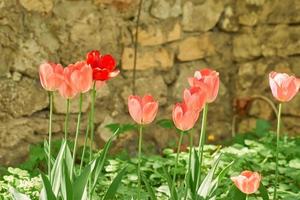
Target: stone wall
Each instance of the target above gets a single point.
(243, 39)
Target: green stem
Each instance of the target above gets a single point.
(91, 124)
(176, 162)
(139, 160)
(201, 142)
(247, 197)
(277, 150)
(76, 135)
(84, 146)
(67, 119)
(50, 133)
(189, 164)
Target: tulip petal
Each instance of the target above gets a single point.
(135, 109)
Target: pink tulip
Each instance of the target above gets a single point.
(247, 182)
(67, 89)
(195, 98)
(142, 109)
(51, 76)
(208, 79)
(184, 118)
(284, 87)
(81, 76)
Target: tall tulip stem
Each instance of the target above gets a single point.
(247, 197)
(67, 119)
(191, 136)
(91, 125)
(277, 150)
(84, 146)
(176, 161)
(50, 133)
(202, 141)
(139, 160)
(77, 133)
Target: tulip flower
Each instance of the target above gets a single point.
(67, 89)
(51, 76)
(247, 182)
(208, 79)
(284, 88)
(81, 76)
(143, 111)
(104, 66)
(184, 118)
(194, 98)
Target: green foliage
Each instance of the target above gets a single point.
(250, 151)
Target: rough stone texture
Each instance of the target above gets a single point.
(243, 40)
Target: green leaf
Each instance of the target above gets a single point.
(149, 188)
(16, 195)
(66, 185)
(56, 171)
(235, 193)
(262, 127)
(295, 163)
(207, 184)
(174, 193)
(81, 183)
(98, 164)
(165, 123)
(110, 193)
(47, 192)
(263, 192)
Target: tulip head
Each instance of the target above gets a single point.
(283, 86)
(51, 76)
(142, 109)
(247, 182)
(183, 117)
(103, 66)
(195, 98)
(207, 79)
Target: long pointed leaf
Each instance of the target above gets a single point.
(81, 183)
(66, 185)
(56, 172)
(111, 192)
(174, 193)
(47, 192)
(149, 188)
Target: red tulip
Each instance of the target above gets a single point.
(81, 76)
(142, 109)
(194, 98)
(67, 89)
(208, 79)
(51, 76)
(284, 87)
(104, 67)
(184, 118)
(247, 182)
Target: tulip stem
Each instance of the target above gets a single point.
(76, 135)
(202, 141)
(277, 150)
(189, 164)
(247, 197)
(50, 133)
(91, 124)
(176, 162)
(139, 160)
(84, 146)
(67, 119)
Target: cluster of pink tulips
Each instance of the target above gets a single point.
(204, 87)
(88, 75)
(78, 78)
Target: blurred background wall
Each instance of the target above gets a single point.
(242, 39)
